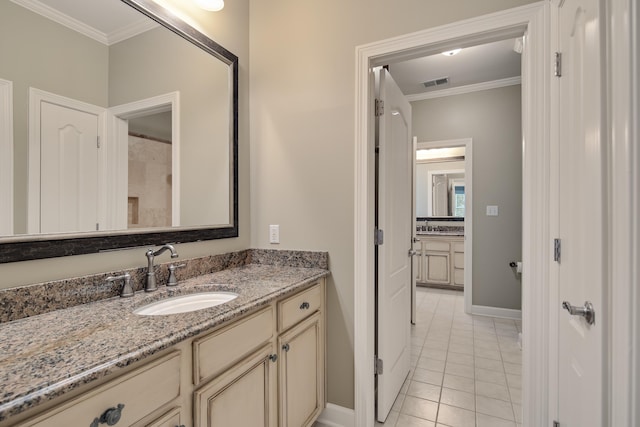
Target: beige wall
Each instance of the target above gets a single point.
(230, 28)
(302, 133)
(492, 118)
(158, 62)
(36, 52)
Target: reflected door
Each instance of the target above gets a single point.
(69, 170)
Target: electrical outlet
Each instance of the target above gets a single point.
(274, 234)
(492, 211)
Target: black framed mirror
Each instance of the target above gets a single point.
(195, 214)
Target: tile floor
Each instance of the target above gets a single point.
(465, 370)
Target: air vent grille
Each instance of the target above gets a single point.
(437, 82)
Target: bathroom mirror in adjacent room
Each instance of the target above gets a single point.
(440, 182)
(124, 129)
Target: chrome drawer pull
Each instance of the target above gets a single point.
(304, 306)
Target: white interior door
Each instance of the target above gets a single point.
(395, 218)
(68, 169)
(582, 215)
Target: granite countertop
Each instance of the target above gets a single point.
(440, 233)
(44, 356)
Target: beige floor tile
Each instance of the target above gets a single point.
(427, 376)
(456, 417)
(431, 364)
(516, 395)
(460, 358)
(490, 364)
(488, 353)
(495, 391)
(434, 354)
(512, 357)
(483, 420)
(512, 368)
(460, 370)
(514, 381)
(420, 408)
(457, 398)
(409, 421)
(397, 405)
(494, 407)
(424, 391)
(489, 376)
(459, 383)
(517, 411)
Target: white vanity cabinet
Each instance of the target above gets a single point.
(301, 356)
(265, 369)
(235, 374)
(441, 260)
(130, 399)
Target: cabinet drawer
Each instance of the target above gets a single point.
(142, 391)
(221, 349)
(298, 307)
(458, 260)
(437, 246)
(458, 247)
(170, 419)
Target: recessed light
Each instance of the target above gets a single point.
(452, 52)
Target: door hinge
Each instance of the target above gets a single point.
(378, 237)
(379, 107)
(557, 250)
(556, 424)
(98, 141)
(378, 365)
(557, 68)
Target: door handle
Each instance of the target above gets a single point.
(412, 252)
(586, 311)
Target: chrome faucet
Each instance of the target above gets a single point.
(151, 275)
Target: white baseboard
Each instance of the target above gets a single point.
(506, 313)
(336, 416)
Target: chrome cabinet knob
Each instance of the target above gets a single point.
(304, 306)
(586, 311)
(110, 417)
(286, 347)
(273, 357)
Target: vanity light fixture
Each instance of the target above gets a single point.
(452, 52)
(211, 5)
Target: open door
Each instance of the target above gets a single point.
(395, 220)
(583, 254)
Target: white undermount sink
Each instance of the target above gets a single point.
(185, 303)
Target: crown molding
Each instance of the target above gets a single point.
(494, 84)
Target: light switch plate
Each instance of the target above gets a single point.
(274, 234)
(492, 211)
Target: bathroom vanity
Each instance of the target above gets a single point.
(258, 360)
(440, 260)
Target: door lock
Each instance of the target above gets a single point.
(586, 311)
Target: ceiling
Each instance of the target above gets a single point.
(489, 65)
(107, 21)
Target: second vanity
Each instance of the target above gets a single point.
(257, 360)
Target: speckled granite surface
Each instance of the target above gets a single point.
(88, 341)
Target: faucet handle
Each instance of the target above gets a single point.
(127, 290)
(173, 281)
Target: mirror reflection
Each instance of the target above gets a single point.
(105, 116)
(440, 182)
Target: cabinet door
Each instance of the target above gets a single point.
(172, 418)
(438, 267)
(243, 396)
(301, 378)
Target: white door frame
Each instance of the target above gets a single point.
(157, 104)
(36, 97)
(534, 20)
(623, 106)
(467, 143)
(6, 157)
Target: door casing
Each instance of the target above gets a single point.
(533, 21)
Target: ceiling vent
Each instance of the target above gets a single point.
(436, 82)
